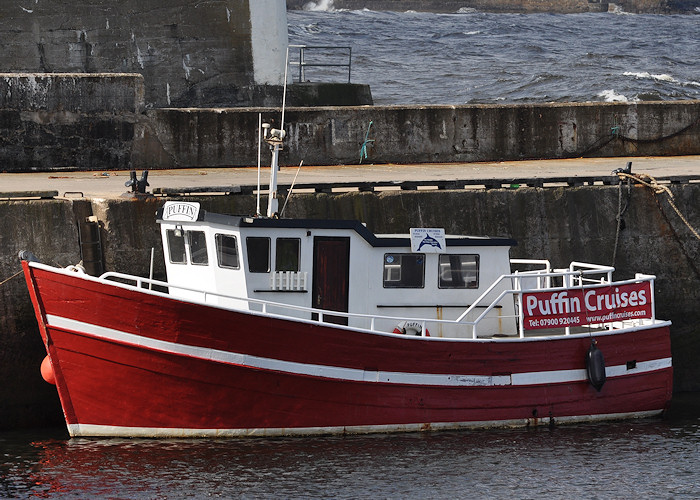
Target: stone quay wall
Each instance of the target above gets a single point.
(189, 53)
(561, 224)
(54, 121)
(69, 121)
(422, 134)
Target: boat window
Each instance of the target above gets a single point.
(198, 247)
(227, 251)
(287, 254)
(258, 254)
(404, 270)
(458, 271)
(176, 247)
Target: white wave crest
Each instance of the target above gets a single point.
(616, 9)
(321, 5)
(648, 76)
(612, 96)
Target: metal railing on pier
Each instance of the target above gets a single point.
(325, 56)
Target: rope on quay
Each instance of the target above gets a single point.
(13, 276)
(620, 212)
(652, 183)
(367, 141)
(616, 134)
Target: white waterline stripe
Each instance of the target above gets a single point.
(96, 430)
(349, 374)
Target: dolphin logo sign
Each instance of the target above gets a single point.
(429, 240)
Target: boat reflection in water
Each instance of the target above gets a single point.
(639, 458)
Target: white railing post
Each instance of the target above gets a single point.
(521, 315)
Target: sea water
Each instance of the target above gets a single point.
(471, 57)
(650, 458)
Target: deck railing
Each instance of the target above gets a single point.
(577, 276)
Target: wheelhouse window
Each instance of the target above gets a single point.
(176, 246)
(227, 251)
(198, 247)
(458, 271)
(404, 270)
(258, 254)
(287, 254)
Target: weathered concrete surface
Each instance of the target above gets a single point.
(85, 121)
(514, 6)
(76, 121)
(80, 121)
(176, 138)
(46, 227)
(110, 184)
(561, 224)
(189, 53)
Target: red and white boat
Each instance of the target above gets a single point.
(270, 326)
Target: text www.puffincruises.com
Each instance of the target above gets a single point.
(622, 315)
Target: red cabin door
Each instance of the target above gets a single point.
(331, 276)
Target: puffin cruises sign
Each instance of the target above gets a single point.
(180, 211)
(428, 239)
(576, 307)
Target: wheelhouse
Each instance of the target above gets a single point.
(310, 266)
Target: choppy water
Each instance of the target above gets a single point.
(656, 458)
(424, 58)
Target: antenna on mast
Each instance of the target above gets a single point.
(274, 137)
(257, 206)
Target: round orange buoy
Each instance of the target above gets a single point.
(47, 371)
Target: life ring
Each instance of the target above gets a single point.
(78, 268)
(411, 328)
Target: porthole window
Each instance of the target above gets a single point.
(198, 247)
(227, 251)
(287, 254)
(176, 246)
(404, 270)
(258, 251)
(458, 271)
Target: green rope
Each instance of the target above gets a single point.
(363, 149)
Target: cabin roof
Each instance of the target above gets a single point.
(347, 225)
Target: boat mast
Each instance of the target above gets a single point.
(275, 137)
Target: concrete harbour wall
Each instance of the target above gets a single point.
(189, 53)
(101, 121)
(69, 121)
(420, 134)
(561, 224)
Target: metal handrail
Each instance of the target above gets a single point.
(303, 64)
(515, 291)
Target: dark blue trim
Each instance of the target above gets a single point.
(346, 225)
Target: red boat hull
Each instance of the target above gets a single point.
(130, 362)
